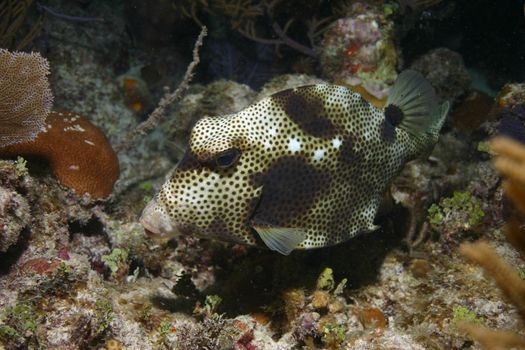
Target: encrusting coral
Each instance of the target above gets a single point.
(511, 163)
(15, 213)
(358, 50)
(25, 97)
(77, 151)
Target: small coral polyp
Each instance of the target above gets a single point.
(358, 50)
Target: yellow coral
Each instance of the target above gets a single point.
(511, 163)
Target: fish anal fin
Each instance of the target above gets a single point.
(280, 239)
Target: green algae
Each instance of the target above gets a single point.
(460, 201)
(462, 314)
(115, 259)
(21, 167)
(103, 315)
(326, 280)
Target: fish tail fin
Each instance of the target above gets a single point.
(417, 100)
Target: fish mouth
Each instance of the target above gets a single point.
(156, 223)
(150, 230)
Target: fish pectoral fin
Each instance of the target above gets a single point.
(280, 239)
(418, 102)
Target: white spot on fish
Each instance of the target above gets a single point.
(74, 167)
(337, 143)
(272, 131)
(294, 145)
(89, 142)
(318, 154)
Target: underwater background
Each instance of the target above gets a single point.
(97, 102)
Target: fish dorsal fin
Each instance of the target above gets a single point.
(280, 239)
(414, 97)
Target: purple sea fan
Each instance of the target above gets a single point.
(25, 96)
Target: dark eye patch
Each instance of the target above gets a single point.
(227, 158)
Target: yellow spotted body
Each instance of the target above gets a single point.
(309, 167)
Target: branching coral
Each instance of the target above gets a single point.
(25, 97)
(245, 17)
(12, 15)
(169, 97)
(417, 5)
(511, 163)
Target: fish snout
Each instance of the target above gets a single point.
(156, 221)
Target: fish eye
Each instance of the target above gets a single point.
(227, 158)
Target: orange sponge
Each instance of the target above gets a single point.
(78, 152)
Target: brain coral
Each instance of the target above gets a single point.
(78, 152)
(25, 96)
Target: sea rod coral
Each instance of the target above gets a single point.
(511, 163)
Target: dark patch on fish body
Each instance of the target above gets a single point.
(307, 112)
(393, 117)
(188, 229)
(346, 152)
(290, 186)
(388, 132)
(189, 162)
(219, 228)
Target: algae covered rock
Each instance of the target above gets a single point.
(359, 50)
(287, 81)
(446, 71)
(14, 209)
(14, 217)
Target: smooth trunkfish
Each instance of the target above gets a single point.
(304, 168)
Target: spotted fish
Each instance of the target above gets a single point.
(304, 168)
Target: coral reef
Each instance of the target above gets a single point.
(511, 95)
(446, 72)
(287, 81)
(473, 111)
(460, 213)
(359, 50)
(77, 273)
(14, 209)
(25, 97)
